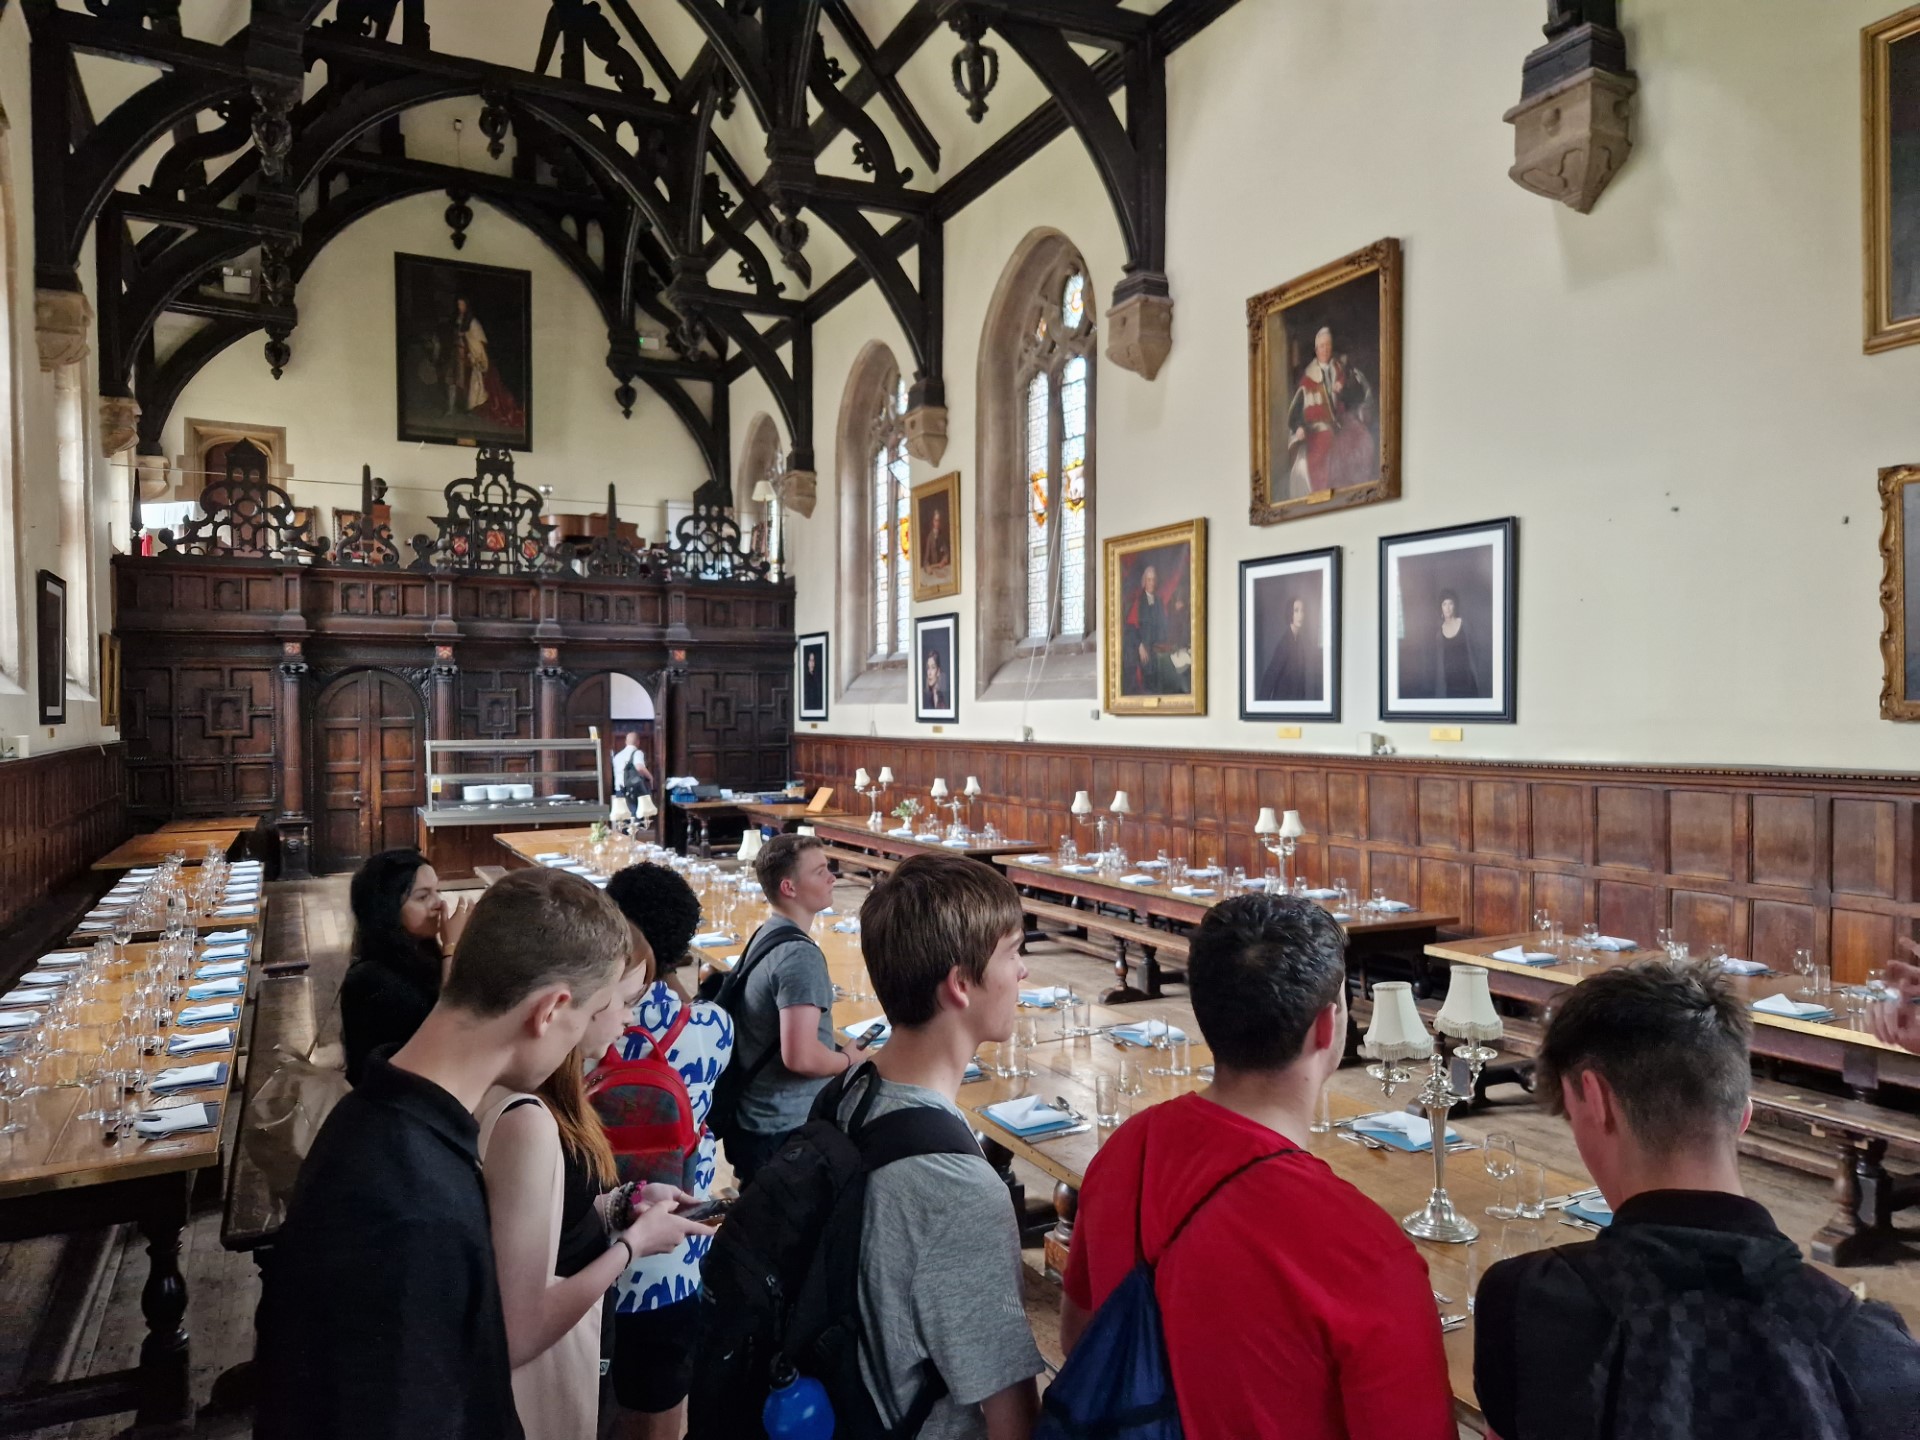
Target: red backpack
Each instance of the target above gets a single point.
(648, 1115)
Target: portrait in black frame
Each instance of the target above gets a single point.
(1290, 614)
(463, 340)
(813, 682)
(1448, 623)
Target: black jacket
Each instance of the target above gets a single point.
(383, 999)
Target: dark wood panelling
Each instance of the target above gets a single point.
(58, 814)
(1763, 862)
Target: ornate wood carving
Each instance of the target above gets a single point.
(492, 524)
(707, 547)
(246, 517)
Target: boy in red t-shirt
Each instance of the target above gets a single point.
(1293, 1305)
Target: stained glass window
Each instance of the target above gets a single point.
(892, 573)
(1058, 415)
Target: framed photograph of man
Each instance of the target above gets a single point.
(1899, 599)
(1290, 637)
(1324, 372)
(1890, 97)
(464, 340)
(936, 538)
(936, 661)
(50, 646)
(1155, 604)
(812, 682)
(1447, 621)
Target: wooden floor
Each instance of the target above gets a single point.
(71, 1307)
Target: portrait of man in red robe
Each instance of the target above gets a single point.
(1330, 437)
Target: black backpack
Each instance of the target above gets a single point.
(728, 990)
(1704, 1344)
(781, 1285)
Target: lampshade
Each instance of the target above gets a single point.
(861, 779)
(886, 775)
(939, 790)
(749, 846)
(972, 786)
(1469, 1013)
(1290, 826)
(621, 810)
(1268, 823)
(1081, 804)
(647, 808)
(1121, 805)
(762, 492)
(803, 830)
(1395, 1032)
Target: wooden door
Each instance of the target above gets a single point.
(367, 735)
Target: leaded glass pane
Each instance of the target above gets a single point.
(882, 551)
(1073, 486)
(1073, 301)
(901, 477)
(1039, 502)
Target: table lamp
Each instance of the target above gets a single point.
(944, 799)
(1280, 840)
(749, 846)
(1120, 805)
(972, 792)
(869, 789)
(620, 813)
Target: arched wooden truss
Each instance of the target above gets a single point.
(626, 182)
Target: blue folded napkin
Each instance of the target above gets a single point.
(713, 940)
(1029, 1115)
(878, 1025)
(1615, 943)
(1194, 890)
(1787, 1006)
(226, 952)
(1594, 1212)
(1402, 1131)
(1393, 906)
(954, 844)
(1147, 1031)
(1137, 880)
(214, 989)
(221, 1039)
(973, 1073)
(189, 1077)
(1520, 955)
(208, 1014)
(846, 927)
(221, 970)
(1046, 997)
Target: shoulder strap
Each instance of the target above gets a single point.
(763, 942)
(663, 1047)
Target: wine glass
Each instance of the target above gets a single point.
(1803, 967)
(1543, 922)
(1502, 1162)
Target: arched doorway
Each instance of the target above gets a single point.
(616, 703)
(370, 776)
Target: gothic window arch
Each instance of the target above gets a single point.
(1036, 584)
(763, 458)
(11, 644)
(874, 611)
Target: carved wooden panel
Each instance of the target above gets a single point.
(1499, 819)
(1864, 850)
(1700, 834)
(58, 814)
(199, 736)
(1560, 822)
(1627, 828)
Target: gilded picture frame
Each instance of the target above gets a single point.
(1317, 446)
(110, 680)
(1890, 189)
(1899, 605)
(1156, 649)
(935, 531)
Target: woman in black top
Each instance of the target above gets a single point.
(403, 931)
(1459, 676)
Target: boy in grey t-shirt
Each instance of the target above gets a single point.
(785, 1013)
(940, 1278)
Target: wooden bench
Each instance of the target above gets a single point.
(283, 1019)
(1857, 1136)
(1127, 935)
(860, 860)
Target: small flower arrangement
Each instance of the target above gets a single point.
(907, 810)
(597, 833)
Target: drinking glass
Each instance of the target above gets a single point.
(1068, 851)
(1161, 856)
(1018, 1060)
(1300, 886)
(1877, 983)
(1180, 1056)
(1133, 1076)
(1530, 1197)
(1663, 939)
(1474, 1272)
(1272, 877)
(1378, 900)
(1177, 871)
(1162, 1051)
(1803, 967)
(1322, 1112)
(1237, 881)
(1716, 952)
(1340, 884)
(1106, 1099)
(1543, 922)
(1497, 1154)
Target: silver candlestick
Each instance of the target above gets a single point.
(1099, 823)
(1437, 1219)
(871, 793)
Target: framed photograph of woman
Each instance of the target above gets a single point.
(1324, 372)
(1447, 618)
(1899, 597)
(936, 538)
(1890, 96)
(464, 337)
(936, 661)
(50, 646)
(1290, 637)
(1155, 604)
(813, 676)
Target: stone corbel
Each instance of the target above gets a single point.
(1139, 327)
(1572, 127)
(62, 320)
(119, 424)
(927, 432)
(155, 480)
(798, 491)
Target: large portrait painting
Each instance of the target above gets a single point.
(813, 676)
(1290, 637)
(1155, 605)
(464, 336)
(936, 538)
(1447, 623)
(1324, 373)
(936, 662)
(1890, 80)
(1899, 598)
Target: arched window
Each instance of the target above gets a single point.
(1036, 500)
(11, 649)
(873, 479)
(76, 518)
(763, 460)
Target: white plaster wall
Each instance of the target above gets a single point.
(1669, 393)
(337, 400)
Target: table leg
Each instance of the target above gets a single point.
(1059, 1240)
(1863, 1203)
(166, 1400)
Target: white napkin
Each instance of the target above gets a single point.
(1136, 879)
(1520, 955)
(156, 1123)
(553, 857)
(1321, 894)
(954, 844)
(1614, 942)
(186, 1077)
(1742, 967)
(1793, 1009)
(47, 977)
(143, 872)
(221, 1039)
(905, 832)
(18, 1019)
(1393, 907)
(1153, 864)
(1034, 859)
(236, 909)
(217, 937)
(1195, 890)
(711, 939)
(60, 959)
(28, 995)
(1027, 1113)
(110, 905)
(1046, 995)
(1415, 1129)
(221, 970)
(1081, 869)
(205, 1014)
(1342, 916)
(249, 894)
(1145, 1032)
(878, 1026)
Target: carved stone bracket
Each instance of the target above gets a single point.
(119, 424)
(61, 321)
(1570, 141)
(799, 491)
(1140, 333)
(926, 433)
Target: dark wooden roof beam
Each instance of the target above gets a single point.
(884, 82)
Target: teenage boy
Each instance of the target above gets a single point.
(1692, 1282)
(1330, 1329)
(784, 1016)
(381, 1313)
(940, 1289)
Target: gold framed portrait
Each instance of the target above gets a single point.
(110, 680)
(1155, 609)
(1890, 152)
(1899, 603)
(935, 528)
(1324, 376)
